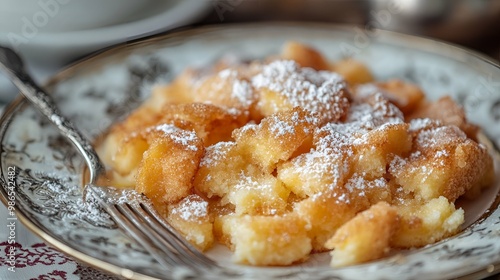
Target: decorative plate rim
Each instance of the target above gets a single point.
(433, 46)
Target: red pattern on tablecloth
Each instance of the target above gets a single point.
(54, 275)
(36, 254)
(41, 254)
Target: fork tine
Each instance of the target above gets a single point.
(153, 219)
(132, 230)
(135, 214)
(163, 243)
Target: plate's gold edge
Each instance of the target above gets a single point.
(489, 270)
(438, 47)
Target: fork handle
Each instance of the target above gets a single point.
(14, 67)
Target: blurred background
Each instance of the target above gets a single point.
(473, 23)
(50, 34)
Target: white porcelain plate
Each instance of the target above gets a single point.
(100, 90)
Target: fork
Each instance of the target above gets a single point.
(132, 212)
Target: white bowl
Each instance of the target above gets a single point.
(25, 18)
(51, 33)
(57, 31)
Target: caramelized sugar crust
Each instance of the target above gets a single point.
(291, 155)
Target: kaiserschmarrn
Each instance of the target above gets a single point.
(293, 154)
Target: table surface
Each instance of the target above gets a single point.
(37, 260)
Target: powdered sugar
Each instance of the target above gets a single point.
(442, 153)
(316, 91)
(365, 90)
(180, 136)
(191, 208)
(227, 73)
(359, 185)
(433, 144)
(439, 136)
(280, 127)
(418, 124)
(333, 154)
(376, 112)
(247, 182)
(327, 163)
(242, 92)
(167, 128)
(365, 117)
(397, 165)
(215, 153)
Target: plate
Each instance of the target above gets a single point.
(102, 89)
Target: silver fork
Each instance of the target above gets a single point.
(133, 212)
